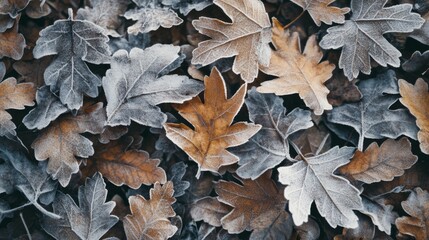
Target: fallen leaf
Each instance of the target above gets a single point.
(149, 218)
(175, 175)
(365, 231)
(416, 99)
(312, 141)
(12, 43)
(422, 34)
(137, 82)
(6, 22)
(209, 210)
(74, 42)
(298, 72)
(2, 70)
(90, 220)
(258, 155)
(186, 6)
(312, 179)
(417, 224)
(61, 142)
(320, 11)
(112, 133)
(33, 71)
(247, 37)
(36, 9)
(418, 63)
(381, 215)
(342, 90)
(308, 231)
(13, 7)
(206, 145)
(361, 37)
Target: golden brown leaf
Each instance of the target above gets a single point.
(213, 133)
(121, 165)
(320, 11)
(149, 218)
(417, 224)
(381, 163)
(416, 99)
(298, 72)
(12, 43)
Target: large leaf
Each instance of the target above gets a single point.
(361, 37)
(320, 11)
(74, 42)
(258, 155)
(371, 117)
(88, 221)
(136, 83)
(246, 37)
(206, 145)
(312, 179)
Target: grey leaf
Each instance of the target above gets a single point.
(90, 220)
(361, 37)
(186, 6)
(134, 85)
(2, 70)
(312, 179)
(49, 107)
(175, 174)
(371, 117)
(74, 42)
(422, 34)
(382, 215)
(4, 206)
(418, 63)
(269, 147)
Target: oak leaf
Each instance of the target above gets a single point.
(361, 37)
(137, 82)
(206, 145)
(149, 218)
(90, 220)
(312, 179)
(61, 142)
(298, 72)
(416, 99)
(417, 224)
(121, 165)
(382, 163)
(12, 7)
(6, 22)
(186, 6)
(320, 11)
(247, 37)
(258, 205)
(418, 63)
(260, 154)
(74, 42)
(12, 43)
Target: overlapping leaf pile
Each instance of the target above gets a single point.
(206, 119)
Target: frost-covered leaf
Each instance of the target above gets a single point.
(209, 210)
(371, 117)
(418, 63)
(362, 38)
(175, 175)
(136, 83)
(88, 221)
(12, 7)
(260, 154)
(2, 70)
(74, 42)
(312, 180)
(247, 37)
(381, 215)
(12, 43)
(186, 6)
(320, 11)
(32, 71)
(422, 34)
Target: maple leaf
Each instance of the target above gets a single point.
(61, 142)
(206, 145)
(320, 11)
(12, 43)
(13, 96)
(247, 37)
(149, 218)
(361, 37)
(209, 210)
(150, 15)
(371, 117)
(186, 6)
(136, 83)
(258, 205)
(121, 165)
(312, 179)
(298, 72)
(418, 63)
(417, 224)
(13, 7)
(258, 155)
(74, 42)
(90, 220)
(416, 99)
(104, 13)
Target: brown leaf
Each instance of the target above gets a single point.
(121, 165)
(365, 230)
(206, 145)
(149, 218)
(32, 71)
(342, 90)
(61, 142)
(12, 7)
(417, 224)
(209, 210)
(320, 11)
(12, 43)
(381, 163)
(298, 72)
(313, 141)
(416, 99)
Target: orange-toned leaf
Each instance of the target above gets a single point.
(416, 99)
(417, 224)
(320, 11)
(12, 43)
(149, 218)
(213, 133)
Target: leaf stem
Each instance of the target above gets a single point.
(15, 209)
(46, 212)
(25, 226)
(293, 21)
(360, 144)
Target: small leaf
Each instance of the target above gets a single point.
(417, 223)
(382, 215)
(320, 11)
(418, 63)
(12, 7)
(12, 43)
(342, 90)
(422, 34)
(32, 71)
(209, 210)
(175, 175)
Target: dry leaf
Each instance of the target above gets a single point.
(149, 218)
(12, 7)
(246, 37)
(209, 210)
(186, 6)
(32, 71)
(422, 34)
(12, 43)
(416, 99)
(320, 11)
(206, 145)
(382, 215)
(298, 72)
(36, 10)
(418, 63)
(342, 90)
(312, 141)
